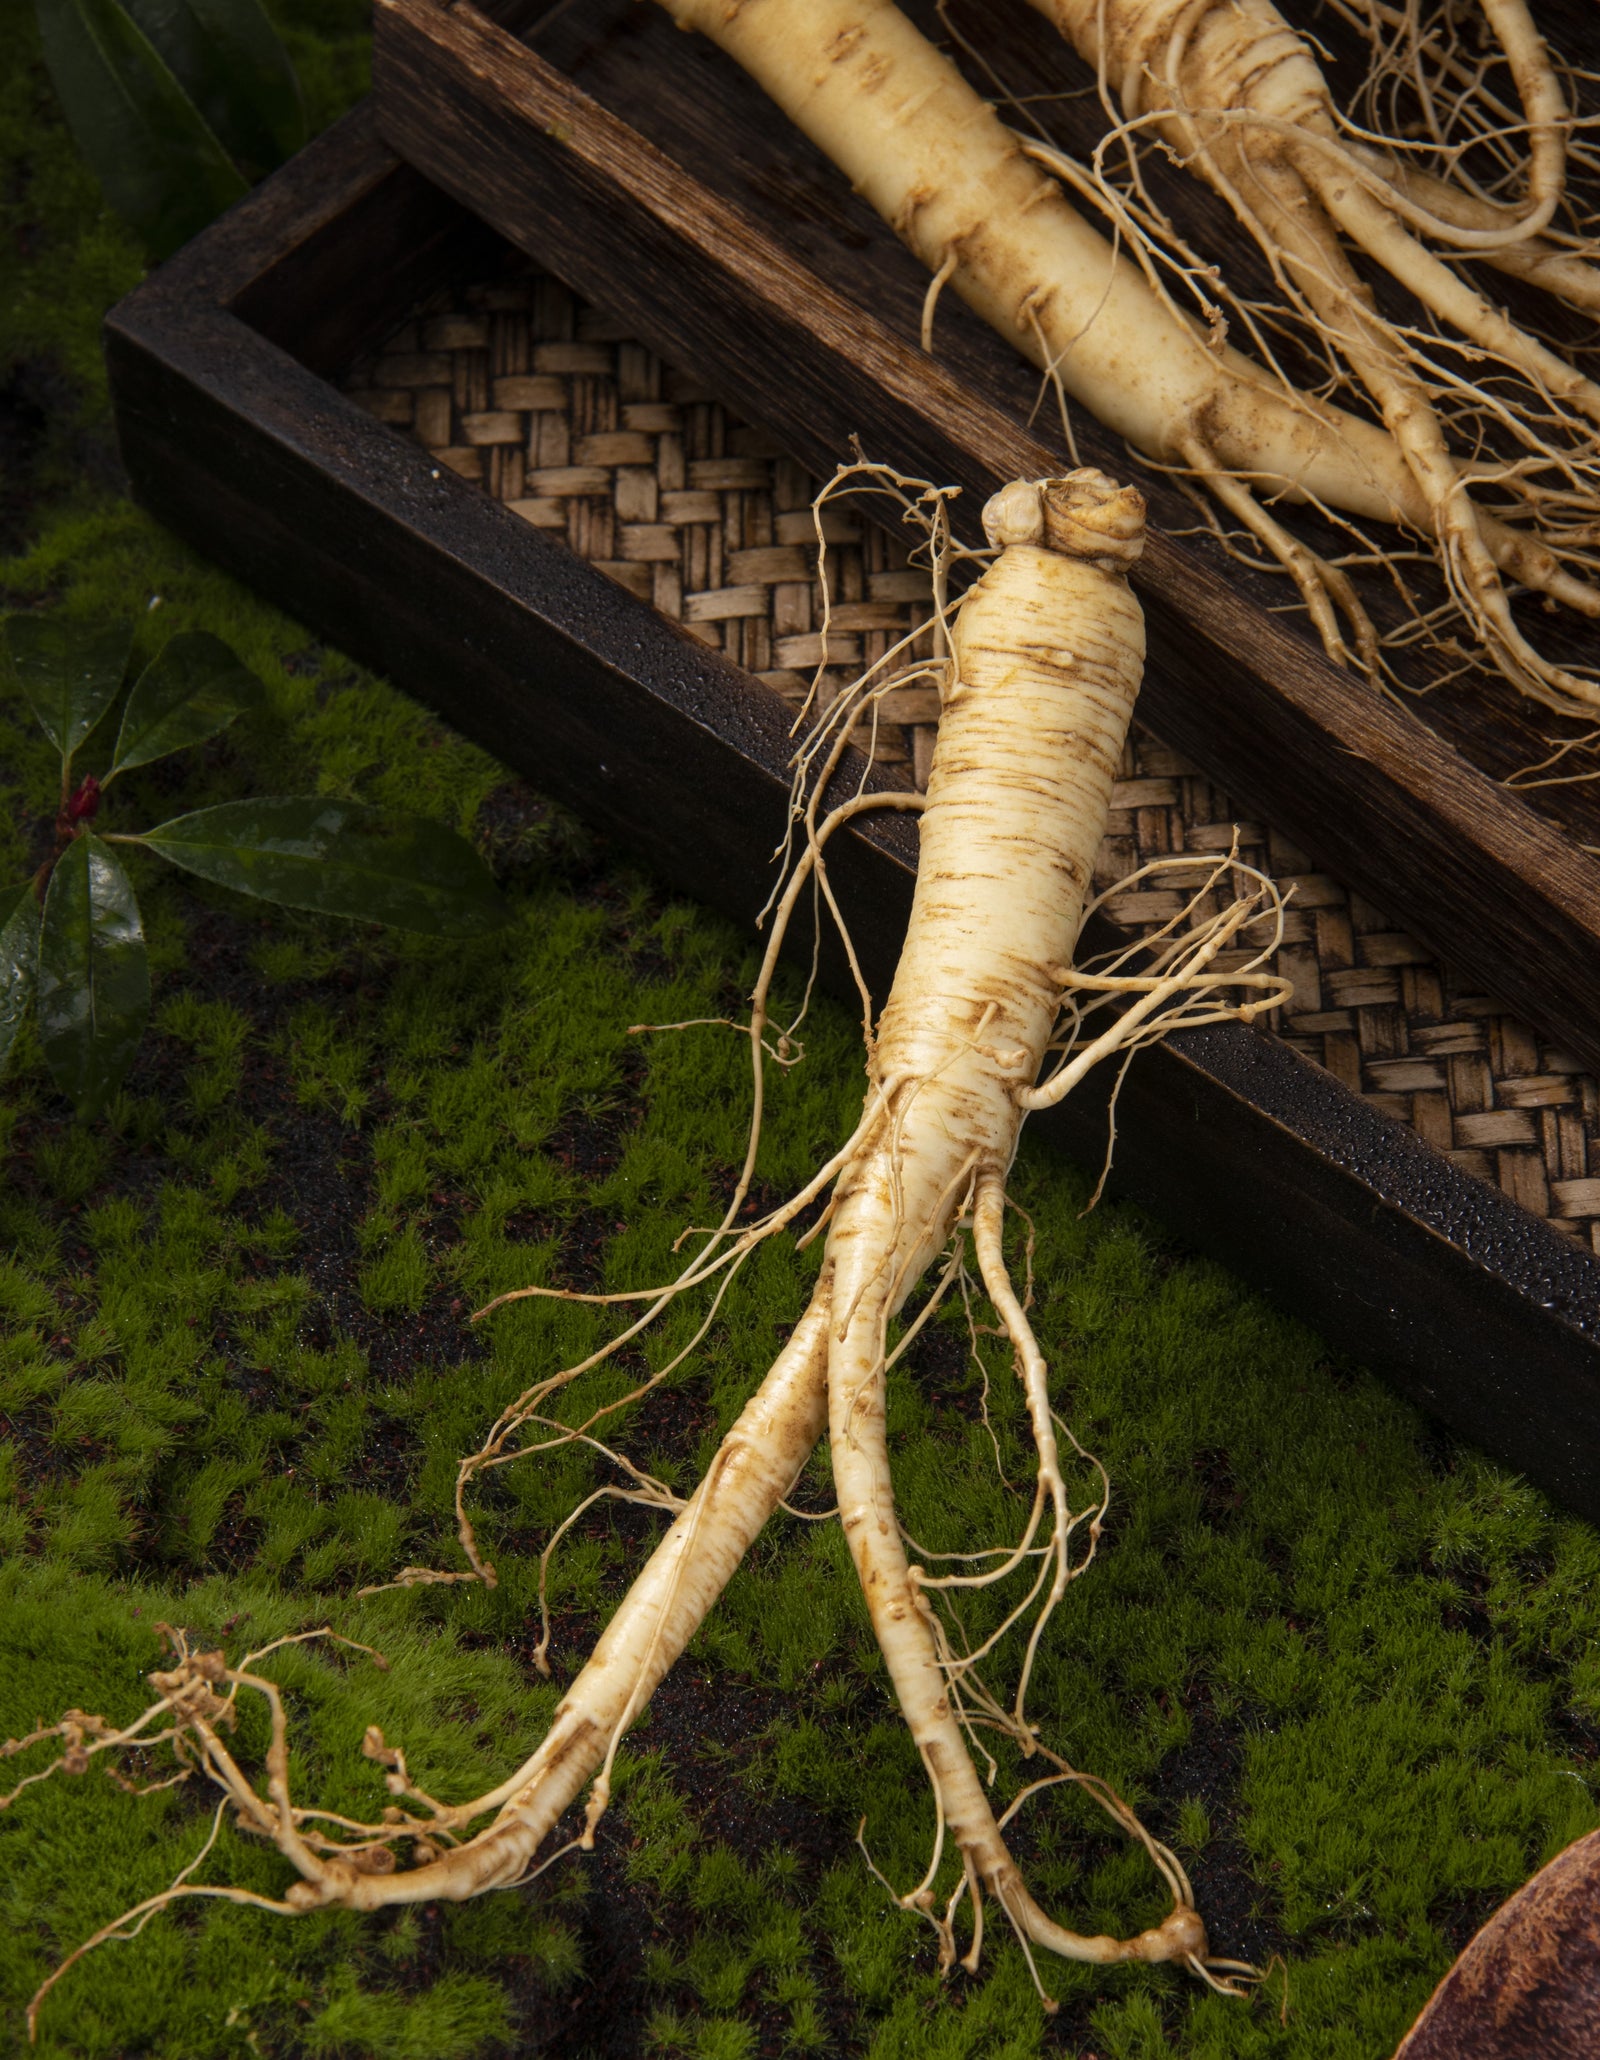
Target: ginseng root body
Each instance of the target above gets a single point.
(1048, 656)
(1044, 663)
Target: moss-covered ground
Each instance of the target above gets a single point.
(1346, 1666)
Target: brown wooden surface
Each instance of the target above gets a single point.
(1250, 1153)
(1361, 783)
(1528, 1986)
(546, 403)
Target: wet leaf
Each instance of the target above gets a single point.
(341, 859)
(194, 687)
(160, 165)
(70, 674)
(19, 956)
(226, 56)
(94, 977)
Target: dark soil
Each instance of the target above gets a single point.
(42, 445)
(1240, 1917)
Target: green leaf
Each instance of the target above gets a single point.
(19, 957)
(147, 143)
(94, 978)
(194, 687)
(341, 859)
(69, 673)
(226, 56)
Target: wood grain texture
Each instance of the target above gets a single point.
(1472, 1307)
(548, 405)
(1378, 797)
(1528, 1986)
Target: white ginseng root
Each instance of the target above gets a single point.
(972, 200)
(1038, 683)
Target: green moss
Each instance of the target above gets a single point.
(459, 2015)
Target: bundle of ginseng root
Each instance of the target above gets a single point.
(1465, 436)
(1038, 666)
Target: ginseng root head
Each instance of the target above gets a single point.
(1087, 515)
(1015, 515)
(1082, 515)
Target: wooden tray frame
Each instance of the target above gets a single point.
(234, 436)
(814, 335)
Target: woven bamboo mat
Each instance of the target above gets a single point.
(551, 407)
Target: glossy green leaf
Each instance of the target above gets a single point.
(19, 957)
(69, 673)
(226, 56)
(192, 688)
(147, 143)
(341, 859)
(94, 978)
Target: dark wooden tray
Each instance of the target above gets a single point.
(233, 433)
(641, 166)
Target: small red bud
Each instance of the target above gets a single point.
(85, 804)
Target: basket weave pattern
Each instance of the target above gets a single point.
(552, 408)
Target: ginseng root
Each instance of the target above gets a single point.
(1229, 86)
(1239, 98)
(987, 1019)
